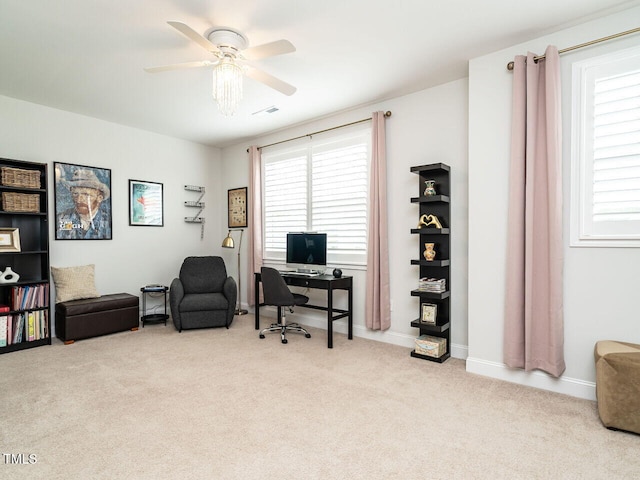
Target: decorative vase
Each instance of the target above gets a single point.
(337, 272)
(429, 252)
(9, 276)
(430, 188)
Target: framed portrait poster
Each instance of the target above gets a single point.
(145, 204)
(9, 240)
(82, 202)
(429, 311)
(237, 205)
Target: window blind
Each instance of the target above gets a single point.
(285, 199)
(616, 148)
(339, 195)
(321, 187)
(605, 150)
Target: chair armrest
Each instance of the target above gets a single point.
(176, 294)
(230, 291)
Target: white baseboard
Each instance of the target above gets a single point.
(402, 339)
(394, 338)
(537, 379)
(565, 385)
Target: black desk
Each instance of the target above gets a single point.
(321, 282)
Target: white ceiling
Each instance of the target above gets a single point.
(88, 57)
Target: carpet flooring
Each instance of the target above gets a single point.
(223, 404)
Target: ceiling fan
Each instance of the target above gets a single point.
(231, 60)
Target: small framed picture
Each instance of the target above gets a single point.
(429, 312)
(145, 204)
(9, 240)
(237, 206)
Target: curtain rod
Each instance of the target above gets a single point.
(386, 114)
(586, 44)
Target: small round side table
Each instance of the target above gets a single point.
(153, 317)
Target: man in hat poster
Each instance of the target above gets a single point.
(90, 216)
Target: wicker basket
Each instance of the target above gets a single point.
(18, 177)
(20, 202)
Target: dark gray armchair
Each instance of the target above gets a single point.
(203, 295)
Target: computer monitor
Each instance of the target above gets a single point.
(306, 251)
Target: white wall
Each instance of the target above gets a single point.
(464, 123)
(600, 284)
(137, 255)
(425, 127)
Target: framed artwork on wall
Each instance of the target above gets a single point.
(237, 206)
(145, 204)
(82, 202)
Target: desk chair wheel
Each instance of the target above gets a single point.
(307, 335)
(261, 336)
(284, 340)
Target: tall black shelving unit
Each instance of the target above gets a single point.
(32, 261)
(439, 267)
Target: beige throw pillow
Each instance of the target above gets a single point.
(74, 283)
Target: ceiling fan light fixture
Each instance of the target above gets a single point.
(231, 61)
(227, 86)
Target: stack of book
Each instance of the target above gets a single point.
(25, 318)
(30, 296)
(433, 285)
(23, 327)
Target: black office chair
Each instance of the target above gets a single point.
(277, 293)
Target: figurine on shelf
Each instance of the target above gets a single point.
(426, 220)
(430, 188)
(9, 276)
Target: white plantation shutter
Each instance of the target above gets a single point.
(339, 195)
(616, 148)
(607, 155)
(285, 198)
(322, 188)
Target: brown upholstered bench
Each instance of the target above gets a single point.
(91, 317)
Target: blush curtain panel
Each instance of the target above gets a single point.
(254, 220)
(377, 308)
(534, 331)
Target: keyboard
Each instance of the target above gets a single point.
(298, 274)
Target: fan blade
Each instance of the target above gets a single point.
(191, 34)
(279, 47)
(270, 80)
(180, 66)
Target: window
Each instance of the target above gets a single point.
(605, 179)
(321, 186)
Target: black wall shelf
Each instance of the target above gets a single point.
(439, 267)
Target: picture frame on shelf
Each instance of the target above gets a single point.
(146, 204)
(9, 239)
(428, 313)
(82, 197)
(237, 207)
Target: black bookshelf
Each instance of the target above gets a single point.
(29, 223)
